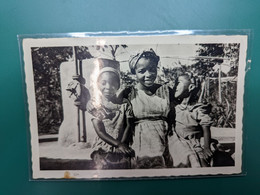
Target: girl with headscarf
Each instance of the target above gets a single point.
(153, 111)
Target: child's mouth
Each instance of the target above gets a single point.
(149, 81)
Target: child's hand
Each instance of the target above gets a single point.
(125, 149)
(170, 132)
(90, 106)
(207, 153)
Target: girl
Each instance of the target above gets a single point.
(153, 112)
(192, 122)
(112, 123)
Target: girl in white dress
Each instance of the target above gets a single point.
(153, 110)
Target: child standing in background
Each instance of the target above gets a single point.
(192, 123)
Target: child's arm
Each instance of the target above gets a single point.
(100, 130)
(125, 136)
(128, 130)
(207, 138)
(205, 122)
(127, 133)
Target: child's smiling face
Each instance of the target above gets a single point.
(182, 88)
(146, 72)
(108, 84)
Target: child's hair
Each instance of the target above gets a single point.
(197, 86)
(148, 54)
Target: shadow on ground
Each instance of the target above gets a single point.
(65, 164)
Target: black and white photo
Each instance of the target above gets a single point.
(135, 106)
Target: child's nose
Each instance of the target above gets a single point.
(148, 73)
(108, 86)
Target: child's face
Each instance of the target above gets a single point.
(146, 72)
(182, 88)
(108, 84)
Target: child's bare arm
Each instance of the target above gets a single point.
(127, 133)
(128, 130)
(207, 138)
(100, 130)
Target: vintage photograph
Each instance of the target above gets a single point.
(135, 106)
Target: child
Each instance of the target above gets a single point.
(192, 122)
(153, 112)
(112, 122)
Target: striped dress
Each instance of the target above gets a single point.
(114, 121)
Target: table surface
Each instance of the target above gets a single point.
(62, 16)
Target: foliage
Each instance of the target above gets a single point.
(223, 113)
(46, 67)
(127, 79)
(112, 49)
(82, 52)
(206, 67)
(208, 56)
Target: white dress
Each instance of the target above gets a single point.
(150, 113)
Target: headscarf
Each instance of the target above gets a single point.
(149, 54)
(107, 65)
(109, 69)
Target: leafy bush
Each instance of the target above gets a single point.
(46, 69)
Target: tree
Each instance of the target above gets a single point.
(232, 52)
(111, 49)
(127, 79)
(207, 67)
(209, 57)
(82, 53)
(46, 66)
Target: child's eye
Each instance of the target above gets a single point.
(103, 82)
(141, 71)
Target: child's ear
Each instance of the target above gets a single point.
(191, 87)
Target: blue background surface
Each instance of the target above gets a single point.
(62, 16)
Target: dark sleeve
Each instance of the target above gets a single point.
(128, 108)
(124, 93)
(203, 115)
(172, 113)
(173, 100)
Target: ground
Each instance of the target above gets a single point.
(77, 157)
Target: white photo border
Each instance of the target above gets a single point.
(113, 39)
